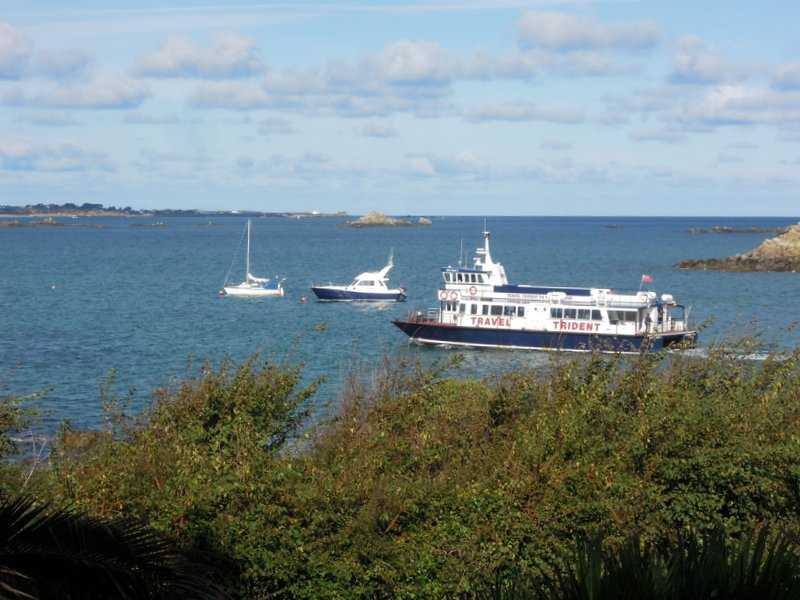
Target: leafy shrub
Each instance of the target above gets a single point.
(428, 486)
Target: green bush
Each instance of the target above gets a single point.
(425, 486)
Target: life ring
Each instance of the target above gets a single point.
(473, 291)
(442, 294)
(453, 295)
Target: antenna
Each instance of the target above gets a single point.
(461, 254)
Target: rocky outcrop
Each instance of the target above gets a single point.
(727, 229)
(376, 219)
(781, 253)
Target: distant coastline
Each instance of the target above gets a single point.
(70, 210)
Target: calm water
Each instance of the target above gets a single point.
(76, 303)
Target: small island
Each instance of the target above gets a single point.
(781, 253)
(46, 222)
(728, 229)
(376, 219)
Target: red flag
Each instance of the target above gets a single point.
(647, 279)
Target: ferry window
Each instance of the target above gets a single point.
(474, 278)
(474, 309)
(509, 311)
(497, 311)
(520, 311)
(570, 313)
(447, 276)
(556, 313)
(583, 313)
(596, 315)
(462, 308)
(621, 316)
(485, 310)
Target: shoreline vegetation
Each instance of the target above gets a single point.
(777, 254)
(648, 477)
(377, 219)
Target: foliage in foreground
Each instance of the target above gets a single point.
(757, 565)
(425, 486)
(50, 553)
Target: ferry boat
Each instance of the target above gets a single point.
(370, 286)
(479, 308)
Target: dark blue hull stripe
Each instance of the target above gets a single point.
(432, 333)
(345, 295)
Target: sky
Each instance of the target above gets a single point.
(469, 107)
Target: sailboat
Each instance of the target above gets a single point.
(252, 286)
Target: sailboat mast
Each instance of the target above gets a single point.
(247, 260)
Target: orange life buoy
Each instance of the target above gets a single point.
(442, 294)
(473, 290)
(454, 295)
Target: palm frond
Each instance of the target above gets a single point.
(47, 552)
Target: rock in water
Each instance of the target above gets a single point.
(781, 253)
(376, 219)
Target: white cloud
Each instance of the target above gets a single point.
(556, 145)
(149, 119)
(408, 61)
(464, 165)
(15, 52)
(565, 32)
(50, 120)
(377, 130)
(25, 156)
(229, 56)
(524, 111)
(725, 158)
(410, 76)
(696, 63)
(99, 93)
(232, 95)
(663, 135)
(275, 126)
(742, 105)
(787, 77)
(61, 63)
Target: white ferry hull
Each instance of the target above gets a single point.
(438, 334)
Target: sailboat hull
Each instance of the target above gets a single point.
(251, 291)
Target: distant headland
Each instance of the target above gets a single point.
(728, 229)
(376, 219)
(88, 209)
(781, 253)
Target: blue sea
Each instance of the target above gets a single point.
(79, 303)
